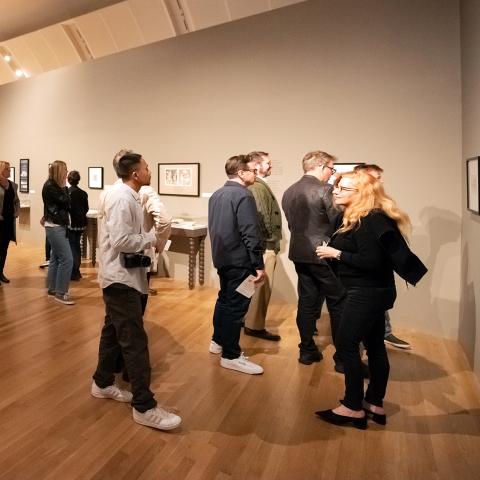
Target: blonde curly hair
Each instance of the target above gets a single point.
(371, 196)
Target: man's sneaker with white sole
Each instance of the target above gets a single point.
(241, 364)
(112, 392)
(215, 347)
(157, 417)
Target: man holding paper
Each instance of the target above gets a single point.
(237, 253)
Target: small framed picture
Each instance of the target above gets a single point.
(12, 174)
(473, 191)
(342, 168)
(95, 178)
(24, 175)
(181, 179)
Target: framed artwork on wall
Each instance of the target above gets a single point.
(24, 175)
(95, 178)
(473, 191)
(181, 179)
(342, 168)
(12, 174)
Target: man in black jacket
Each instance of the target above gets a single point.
(237, 253)
(311, 219)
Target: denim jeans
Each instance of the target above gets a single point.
(61, 260)
(363, 320)
(317, 282)
(229, 311)
(123, 336)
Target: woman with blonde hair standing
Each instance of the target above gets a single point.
(367, 248)
(9, 209)
(56, 219)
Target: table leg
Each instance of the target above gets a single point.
(201, 261)
(191, 263)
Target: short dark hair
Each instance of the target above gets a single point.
(368, 166)
(73, 177)
(127, 164)
(257, 156)
(236, 163)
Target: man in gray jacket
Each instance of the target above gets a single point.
(312, 220)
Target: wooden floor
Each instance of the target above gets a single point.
(235, 426)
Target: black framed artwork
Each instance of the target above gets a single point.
(95, 178)
(343, 168)
(473, 190)
(12, 174)
(181, 179)
(24, 175)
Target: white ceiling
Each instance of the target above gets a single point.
(41, 35)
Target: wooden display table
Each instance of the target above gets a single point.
(194, 234)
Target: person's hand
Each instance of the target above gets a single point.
(327, 252)
(260, 276)
(42, 221)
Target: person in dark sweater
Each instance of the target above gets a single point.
(78, 220)
(237, 253)
(364, 252)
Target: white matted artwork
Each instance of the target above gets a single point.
(342, 168)
(182, 179)
(95, 178)
(12, 174)
(473, 192)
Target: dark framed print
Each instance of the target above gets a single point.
(12, 174)
(182, 179)
(95, 178)
(342, 168)
(473, 191)
(24, 175)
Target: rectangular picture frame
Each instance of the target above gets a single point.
(95, 178)
(12, 175)
(24, 176)
(473, 186)
(179, 179)
(342, 168)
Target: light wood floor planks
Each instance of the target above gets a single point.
(235, 426)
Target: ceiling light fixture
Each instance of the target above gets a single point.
(7, 58)
(19, 73)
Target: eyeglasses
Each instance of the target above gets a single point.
(333, 170)
(346, 189)
(254, 170)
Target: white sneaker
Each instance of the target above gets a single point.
(112, 392)
(157, 418)
(215, 347)
(241, 364)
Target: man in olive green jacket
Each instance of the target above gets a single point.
(270, 223)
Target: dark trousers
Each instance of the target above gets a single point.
(229, 311)
(123, 335)
(5, 237)
(317, 282)
(74, 237)
(363, 320)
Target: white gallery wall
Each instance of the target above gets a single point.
(375, 81)
(469, 327)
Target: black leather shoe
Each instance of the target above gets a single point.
(4, 279)
(307, 358)
(341, 369)
(379, 418)
(331, 417)
(265, 334)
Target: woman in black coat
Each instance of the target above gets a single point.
(365, 251)
(9, 209)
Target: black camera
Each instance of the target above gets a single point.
(136, 260)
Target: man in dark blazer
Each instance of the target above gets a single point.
(311, 219)
(237, 249)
